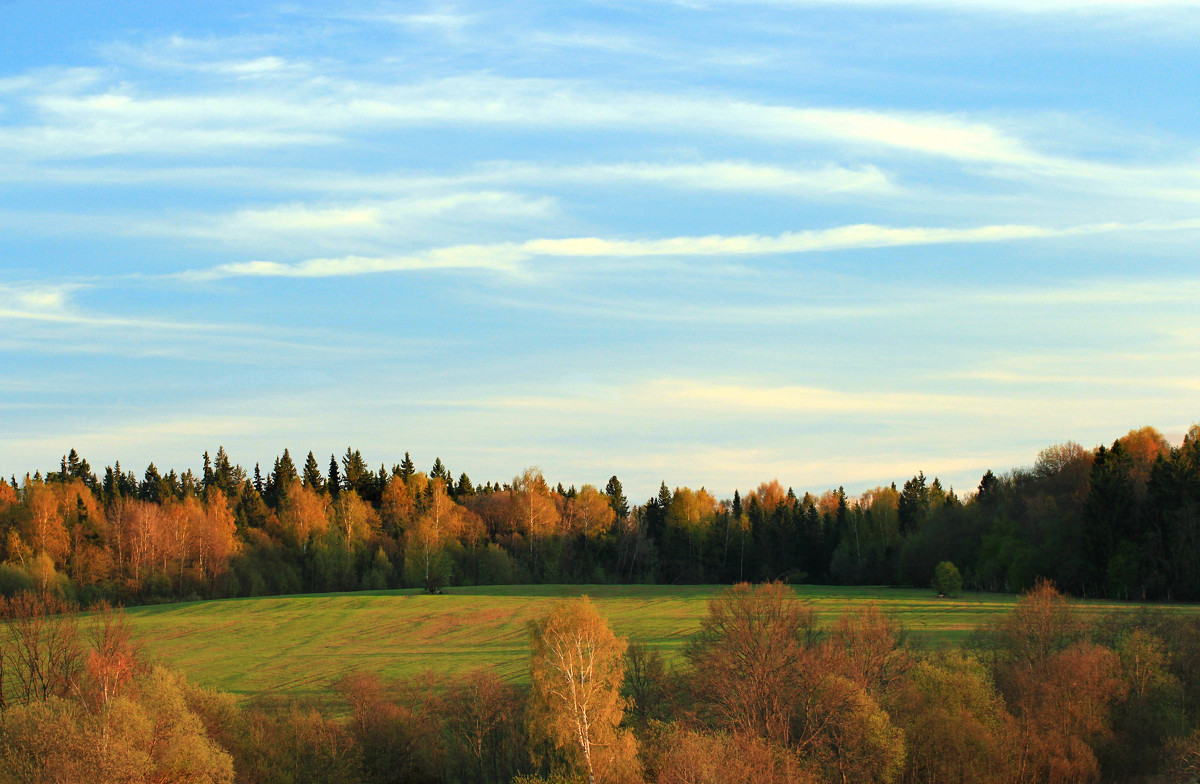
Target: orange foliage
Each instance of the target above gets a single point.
(1144, 447)
(770, 495)
(396, 508)
(46, 531)
(588, 513)
(866, 647)
(751, 657)
(533, 509)
(303, 514)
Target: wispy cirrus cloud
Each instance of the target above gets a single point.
(117, 117)
(511, 257)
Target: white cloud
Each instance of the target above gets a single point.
(496, 258)
(312, 111)
(725, 176)
(511, 257)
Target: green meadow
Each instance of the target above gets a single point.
(301, 645)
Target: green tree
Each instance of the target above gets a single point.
(946, 579)
(313, 478)
(616, 497)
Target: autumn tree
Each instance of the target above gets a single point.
(46, 531)
(588, 513)
(866, 646)
(688, 756)
(304, 514)
(848, 734)
(749, 659)
(958, 728)
(397, 506)
(534, 512)
(576, 669)
(482, 713)
(439, 523)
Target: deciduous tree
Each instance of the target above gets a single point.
(750, 657)
(576, 669)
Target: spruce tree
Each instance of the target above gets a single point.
(313, 478)
(335, 477)
(407, 468)
(616, 498)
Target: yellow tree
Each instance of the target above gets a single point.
(441, 522)
(576, 669)
(46, 531)
(533, 507)
(396, 508)
(215, 534)
(303, 514)
(588, 512)
(357, 520)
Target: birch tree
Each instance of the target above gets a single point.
(576, 670)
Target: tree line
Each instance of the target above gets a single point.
(1117, 521)
(765, 693)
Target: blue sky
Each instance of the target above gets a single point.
(712, 243)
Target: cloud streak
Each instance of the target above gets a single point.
(511, 258)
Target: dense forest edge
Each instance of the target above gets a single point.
(1119, 522)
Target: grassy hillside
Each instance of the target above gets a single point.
(302, 644)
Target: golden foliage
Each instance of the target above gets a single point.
(576, 669)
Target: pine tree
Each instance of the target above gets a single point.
(355, 474)
(407, 468)
(334, 482)
(151, 488)
(313, 478)
(616, 498)
(223, 471)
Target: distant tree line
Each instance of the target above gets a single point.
(766, 693)
(1119, 521)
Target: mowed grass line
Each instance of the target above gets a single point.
(301, 645)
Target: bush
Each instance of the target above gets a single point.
(14, 580)
(946, 579)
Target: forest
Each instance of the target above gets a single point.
(1120, 521)
(765, 691)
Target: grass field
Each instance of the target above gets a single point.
(302, 644)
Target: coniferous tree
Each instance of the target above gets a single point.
(313, 478)
(355, 474)
(334, 482)
(151, 488)
(224, 473)
(616, 498)
(207, 478)
(914, 504)
(407, 468)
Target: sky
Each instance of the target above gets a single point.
(833, 242)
